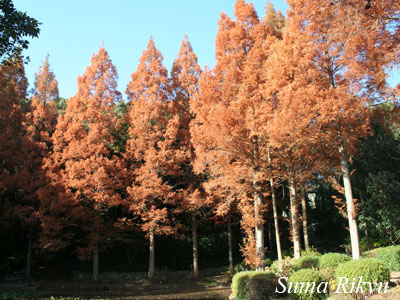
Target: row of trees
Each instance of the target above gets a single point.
(287, 102)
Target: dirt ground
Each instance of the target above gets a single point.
(184, 288)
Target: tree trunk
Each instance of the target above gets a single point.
(270, 236)
(275, 213)
(305, 220)
(259, 231)
(151, 254)
(230, 254)
(195, 247)
(365, 229)
(351, 213)
(259, 228)
(95, 271)
(276, 221)
(29, 258)
(294, 210)
(367, 238)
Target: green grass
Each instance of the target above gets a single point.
(15, 294)
(210, 282)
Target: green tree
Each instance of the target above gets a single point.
(14, 27)
(377, 184)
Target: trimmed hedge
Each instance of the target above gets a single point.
(370, 269)
(306, 262)
(310, 252)
(328, 264)
(255, 285)
(297, 285)
(239, 283)
(327, 274)
(390, 256)
(283, 267)
(332, 260)
(370, 253)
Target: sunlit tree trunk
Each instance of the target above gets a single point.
(195, 247)
(151, 254)
(276, 220)
(275, 213)
(305, 219)
(259, 228)
(294, 212)
(351, 213)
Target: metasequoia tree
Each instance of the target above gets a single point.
(83, 157)
(185, 75)
(225, 129)
(275, 20)
(40, 124)
(221, 194)
(42, 116)
(367, 34)
(258, 109)
(321, 109)
(358, 43)
(151, 151)
(219, 178)
(291, 128)
(18, 205)
(13, 92)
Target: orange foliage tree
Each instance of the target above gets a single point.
(18, 203)
(185, 75)
(294, 92)
(40, 121)
(84, 163)
(322, 106)
(151, 152)
(227, 129)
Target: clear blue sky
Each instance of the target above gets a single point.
(73, 30)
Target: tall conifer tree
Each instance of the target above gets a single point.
(151, 151)
(83, 156)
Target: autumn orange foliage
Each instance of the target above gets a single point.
(84, 162)
(287, 102)
(151, 151)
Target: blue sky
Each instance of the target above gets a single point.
(73, 30)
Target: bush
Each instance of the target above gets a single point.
(306, 262)
(268, 262)
(283, 267)
(302, 285)
(370, 253)
(16, 294)
(374, 242)
(11, 265)
(255, 285)
(240, 282)
(327, 274)
(241, 267)
(332, 260)
(311, 251)
(370, 269)
(390, 256)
